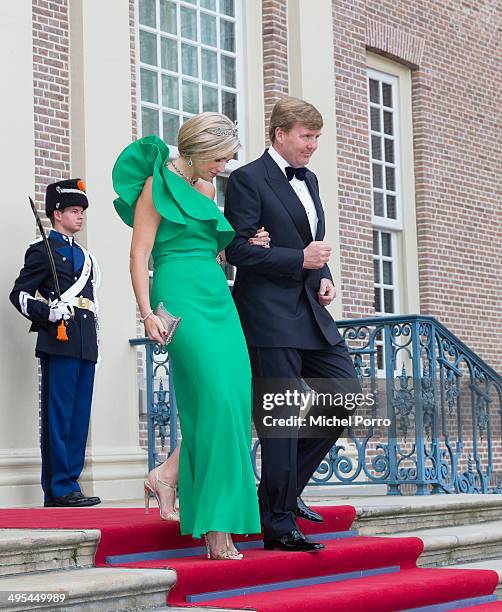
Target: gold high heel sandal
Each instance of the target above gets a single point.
(223, 554)
(170, 514)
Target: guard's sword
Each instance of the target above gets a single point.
(62, 327)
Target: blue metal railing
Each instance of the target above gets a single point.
(443, 403)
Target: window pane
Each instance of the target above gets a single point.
(390, 178)
(168, 17)
(170, 96)
(171, 125)
(377, 176)
(229, 105)
(374, 91)
(376, 147)
(387, 123)
(387, 94)
(149, 89)
(376, 247)
(148, 48)
(147, 13)
(389, 150)
(387, 272)
(376, 270)
(378, 204)
(386, 245)
(208, 4)
(188, 23)
(228, 71)
(227, 7)
(388, 300)
(149, 121)
(391, 206)
(190, 97)
(209, 99)
(209, 66)
(169, 54)
(375, 119)
(227, 35)
(208, 29)
(377, 302)
(189, 63)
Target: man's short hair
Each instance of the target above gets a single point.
(288, 111)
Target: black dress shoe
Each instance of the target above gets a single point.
(304, 512)
(70, 500)
(96, 500)
(293, 541)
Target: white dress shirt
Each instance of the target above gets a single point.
(301, 189)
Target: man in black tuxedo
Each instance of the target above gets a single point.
(281, 294)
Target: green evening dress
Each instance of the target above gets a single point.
(211, 371)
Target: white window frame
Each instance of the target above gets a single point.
(239, 67)
(384, 222)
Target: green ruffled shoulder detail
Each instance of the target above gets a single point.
(172, 196)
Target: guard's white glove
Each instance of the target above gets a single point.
(58, 311)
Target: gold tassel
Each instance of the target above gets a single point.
(62, 335)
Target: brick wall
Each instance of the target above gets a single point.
(275, 53)
(457, 148)
(51, 81)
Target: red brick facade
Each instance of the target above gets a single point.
(275, 54)
(456, 128)
(51, 80)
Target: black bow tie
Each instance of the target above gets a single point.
(298, 172)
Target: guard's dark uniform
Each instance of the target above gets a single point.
(67, 366)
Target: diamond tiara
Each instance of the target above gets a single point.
(221, 132)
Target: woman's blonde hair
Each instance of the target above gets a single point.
(208, 136)
(288, 111)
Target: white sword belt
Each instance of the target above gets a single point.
(79, 302)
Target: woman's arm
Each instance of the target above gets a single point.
(146, 223)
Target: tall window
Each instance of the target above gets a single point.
(385, 173)
(188, 51)
(385, 191)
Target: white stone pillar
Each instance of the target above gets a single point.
(19, 442)
(312, 78)
(101, 127)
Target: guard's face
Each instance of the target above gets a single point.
(70, 218)
(298, 145)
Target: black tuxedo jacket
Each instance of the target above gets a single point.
(276, 298)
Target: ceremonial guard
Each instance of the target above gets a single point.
(56, 291)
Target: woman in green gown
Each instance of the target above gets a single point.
(175, 220)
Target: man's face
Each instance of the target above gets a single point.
(70, 219)
(298, 145)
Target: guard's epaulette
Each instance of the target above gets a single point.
(35, 241)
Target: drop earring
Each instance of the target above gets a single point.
(189, 162)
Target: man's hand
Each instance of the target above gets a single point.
(316, 255)
(327, 292)
(59, 311)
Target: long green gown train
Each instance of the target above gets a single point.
(211, 371)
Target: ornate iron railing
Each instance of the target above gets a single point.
(443, 403)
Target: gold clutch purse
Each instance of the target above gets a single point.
(169, 321)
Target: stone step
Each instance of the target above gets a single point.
(387, 515)
(92, 589)
(36, 550)
(445, 546)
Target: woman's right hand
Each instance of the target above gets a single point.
(154, 329)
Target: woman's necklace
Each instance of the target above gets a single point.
(183, 175)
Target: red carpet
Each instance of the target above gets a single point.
(356, 574)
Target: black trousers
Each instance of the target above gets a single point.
(287, 463)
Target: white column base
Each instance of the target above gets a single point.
(113, 475)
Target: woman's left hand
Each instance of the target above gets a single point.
(261, 238)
